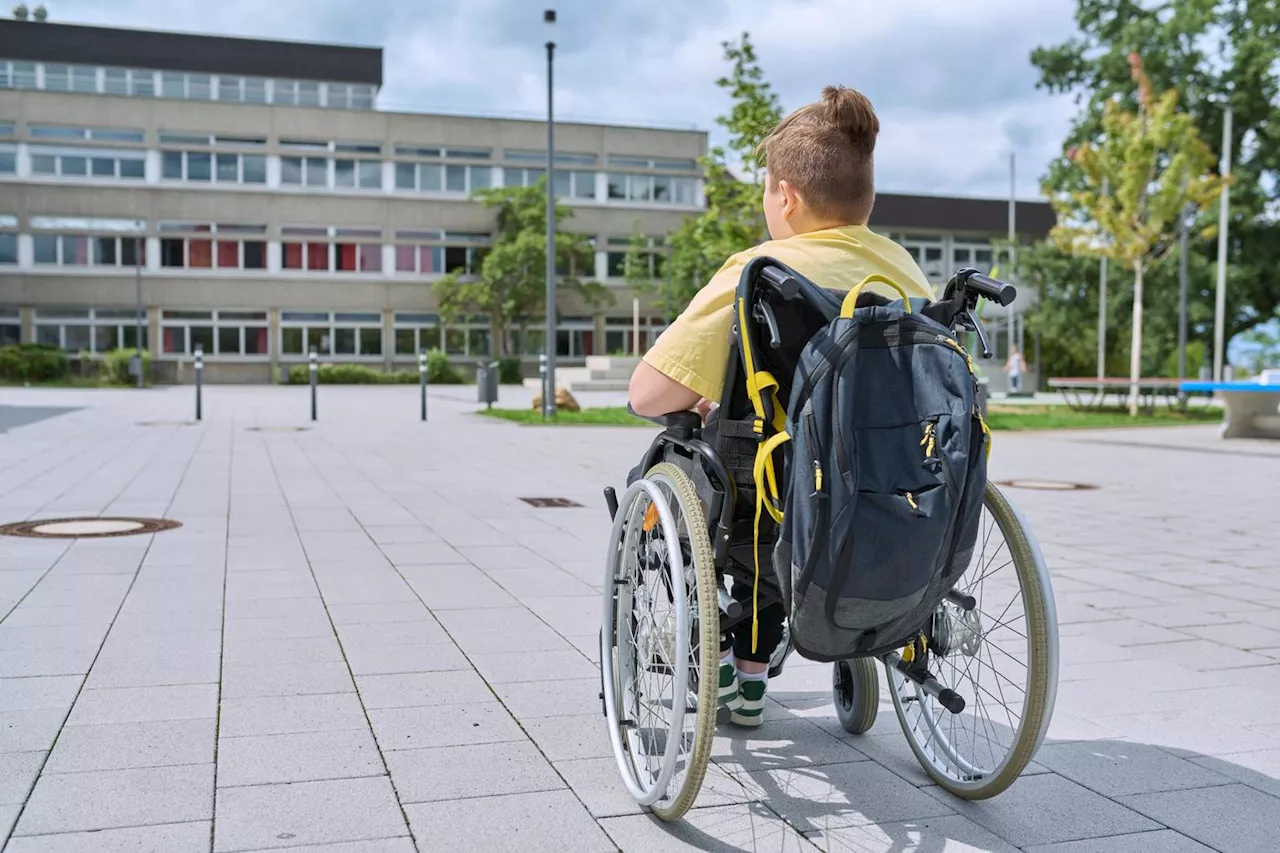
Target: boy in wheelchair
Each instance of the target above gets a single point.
(818, 197)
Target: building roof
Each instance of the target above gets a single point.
(949, 213)
(73, 43)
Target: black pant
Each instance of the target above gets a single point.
(772, 615)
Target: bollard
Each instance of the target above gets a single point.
(199, 377)
(542, 380)
(422, 380)
(314, 379)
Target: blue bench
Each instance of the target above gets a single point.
(1252, 408)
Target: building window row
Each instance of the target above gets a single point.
(186, 245)
(88, 163)
(216, 333)
(94, 330)
(149, 83)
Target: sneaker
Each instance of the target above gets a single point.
(750, 708)
(728, 685)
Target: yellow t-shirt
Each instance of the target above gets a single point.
(694, 350)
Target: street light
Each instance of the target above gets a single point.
(549, 389)
(139, 244)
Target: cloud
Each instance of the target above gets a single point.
(952, 81)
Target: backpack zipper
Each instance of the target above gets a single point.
(928, 442)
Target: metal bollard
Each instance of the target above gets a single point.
(199, 378)
(542, 381)
(422, 380)
(315, 368)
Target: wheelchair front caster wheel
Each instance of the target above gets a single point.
(856, 691)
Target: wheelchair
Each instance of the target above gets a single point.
(973, 692)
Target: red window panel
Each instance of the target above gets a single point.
(175, 340)
(371, 257)
(318, 256)
(427, 258)
(293, 256)
(228, 254)
(346, 257)
(404, 258)
(200, 254)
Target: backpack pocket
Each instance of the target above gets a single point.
(890, 554)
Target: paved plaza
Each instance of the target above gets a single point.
(362, 640)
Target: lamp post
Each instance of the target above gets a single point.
(549, 388)
(138, 248)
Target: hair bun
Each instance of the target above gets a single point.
(850, 111)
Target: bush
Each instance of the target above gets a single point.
(115, 367)
(350, 374)
(33, 363)
(440, 371)
(509, 371)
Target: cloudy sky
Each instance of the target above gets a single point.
(951, 79)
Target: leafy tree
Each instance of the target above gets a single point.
(1214, 52)
(1157, 164)
(510, 286)
(733, 220)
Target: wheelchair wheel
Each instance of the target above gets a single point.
(856, 691)
(1001, 657)
(660, 644)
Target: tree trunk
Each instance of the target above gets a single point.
(1135, 354)
(498, 334)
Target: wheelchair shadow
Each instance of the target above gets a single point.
(800, 772)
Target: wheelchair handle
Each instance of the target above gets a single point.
(785, 283)
(996, 291)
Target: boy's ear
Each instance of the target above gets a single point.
(792, 203)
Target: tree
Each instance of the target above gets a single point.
(1157, 165)
(733, 219)
(638, 268)
(1214, 52)
(510, 285)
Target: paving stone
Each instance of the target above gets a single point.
(566, 738)
(448, 725)
(368, 614)
(417, 657)
(421, 554)
(260, 817)
(155, 671)
(275, 608)
(1047, 808)
(457, 588)
(74, 660)
(541, 581)
(1116, 768)
(401, 844)
(285, 679)
(418, 689)
(70, 802)
(119, 746)
(948, 834)
(393, 633)
(1162, 840)
(547, 820)
(37, 637)
(273, 715)
(300, 757)
(783, 743)
(529, 700)
(718, 828)
(542, 667)
(18, 771)
(124, 643)
(283, 628)
(190, 837)
(477, 770)
(143, 704)
(29, 694)
(402, 534)
(1229, 818)
(597, 782)
(1259, 770)
(297, 650)
(8, 817)
(30, 730)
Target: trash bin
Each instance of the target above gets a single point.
(135, 365)
(487, 382)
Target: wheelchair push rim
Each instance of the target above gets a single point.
(1003, 661)
(660, 711)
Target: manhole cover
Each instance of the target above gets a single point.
(1047, 485)
(77, 528)
(277, 429)
(167, 423)
(550, 503)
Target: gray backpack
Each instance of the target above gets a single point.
(881, 489)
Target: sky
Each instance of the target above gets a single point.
(951, 80)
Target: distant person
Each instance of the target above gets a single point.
(1014, 369)
(818, 195)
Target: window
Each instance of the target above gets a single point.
(470, 337)
(98, 330)
(346, 250)
(10, 322)
(442, 177)
(8, 247)
(217, 333)
(255, 90)
(351, 334)
(971, 254)
(95, 134)
(662, 189)
(416, 332)
(308, 94)
(90, 162)
(421, 177)
(200, 246)
(21, 75)
(575, 336)
(361, 174)
(8, 160)
(219, 168)
(356, 251)
(345, 96)
(626, 162)
(230, 88)
(89, 250)
(304, 171)
(654, 257)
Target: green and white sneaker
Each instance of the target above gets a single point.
(728, 684)
(750, 706)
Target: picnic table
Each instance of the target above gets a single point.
(1252, 409)
(1091, 393)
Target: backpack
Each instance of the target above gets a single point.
(884, 467)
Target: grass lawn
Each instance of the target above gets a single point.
(68, 382)
(999, 417)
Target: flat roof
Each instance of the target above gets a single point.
(951, 213)
(130, 48)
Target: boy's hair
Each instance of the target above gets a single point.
(825, 150)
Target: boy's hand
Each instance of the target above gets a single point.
(705, 407)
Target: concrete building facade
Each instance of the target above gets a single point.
(253, 200)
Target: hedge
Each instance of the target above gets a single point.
(33, 363)
(439, 372)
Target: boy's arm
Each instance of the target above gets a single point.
(654, 393)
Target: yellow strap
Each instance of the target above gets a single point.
(986, 430)
(764, 476)
(850, 301)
